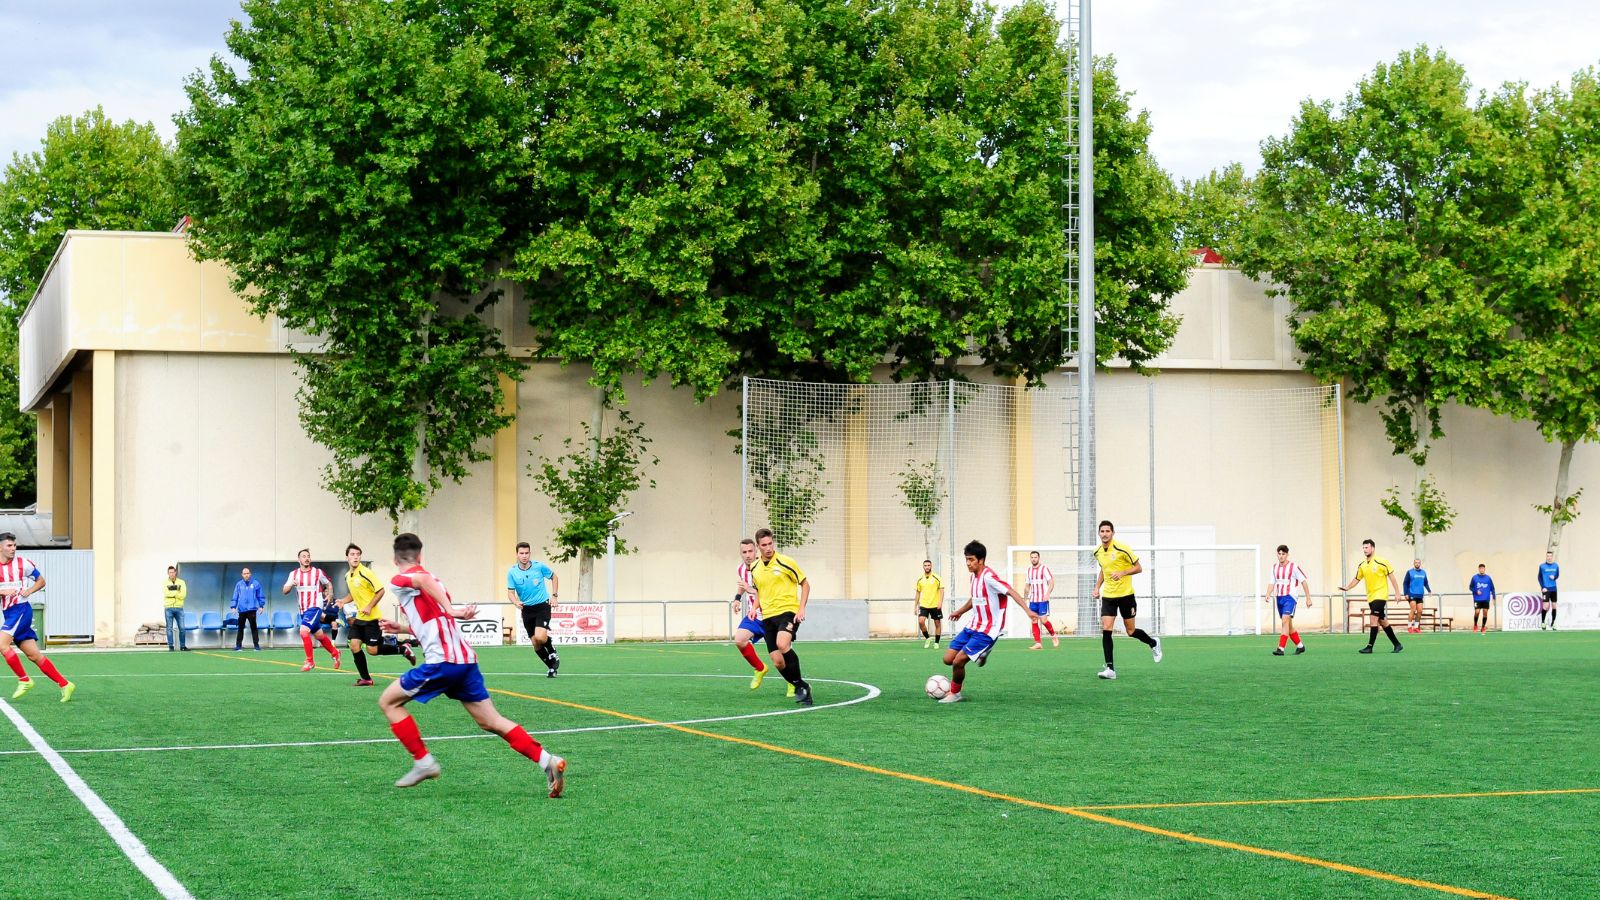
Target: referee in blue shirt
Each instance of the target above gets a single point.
(526, 586)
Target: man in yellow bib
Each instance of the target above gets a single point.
(930, 604)
(1378, 575)
(1114, 588)
(782, 592)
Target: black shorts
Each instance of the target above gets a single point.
(932, 612)
(367, 632)
(780, 622)
(1550, 596)
(1410, 599)
(1377, 607)
(536, 616)
(1480, 604)
(1126, 607)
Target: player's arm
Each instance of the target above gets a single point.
(1022, 603)
(288, 585)
(1305, 588)
(427, 585)
(805, 594)
(1353, 579)
(555, 588)
(965, 608)
(36, 587)
(326, 587)
(1099, 580)
(1394, 586)
(1129, 573)
(367, 610)
(939, 597)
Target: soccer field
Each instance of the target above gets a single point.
(1464, 766)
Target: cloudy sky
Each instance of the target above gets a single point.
(1217, 78)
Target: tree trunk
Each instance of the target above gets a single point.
(585, 558)
(1558, 507)
(1419, 459)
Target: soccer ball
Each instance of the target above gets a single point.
(937, 686)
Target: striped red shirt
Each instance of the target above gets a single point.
(752, 605)
(988, 603)
(1039, 580)
(16, 576)
(1285, 576)
(439, 633)
(308, 586)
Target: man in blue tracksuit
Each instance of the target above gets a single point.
(1548, 573)
(248, 599)
(1414, 585)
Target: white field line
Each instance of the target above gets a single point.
(131, 846)
(872, 692)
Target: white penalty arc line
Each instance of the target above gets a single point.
(872, 693)
(164, 881)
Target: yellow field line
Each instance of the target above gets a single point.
(995, 795)
(1302, 800)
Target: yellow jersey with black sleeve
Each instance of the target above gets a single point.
(174, 592)
(1115, 557)
(777, 585)
(363, 587)
(1374, 571)
(928, 587)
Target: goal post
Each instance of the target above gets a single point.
(1193, 589)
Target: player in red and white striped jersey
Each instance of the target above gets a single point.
(987, 603)
(746, 601)
(450, 667)
(312, 587)
(1041, 583)
(1285, 575)
(20, 578)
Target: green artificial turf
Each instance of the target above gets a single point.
(658, 812)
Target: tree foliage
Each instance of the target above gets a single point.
(1423, 513)
(89, 173)
(807, 189)
(590, 484)
(358, 174)
(922, 492)
(1550, 261)
(1214, 210)
(785, 464)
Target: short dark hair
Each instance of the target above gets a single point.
(749, 541)
(1105, 523)
(172, 568)
(928, 561)
(351, 546)
(1369, 542)
(976, 550)
(1283, 548)
(524, 545)
(407, 545)
(302, 550)
(7, 536)
(764, 533)
(1482, 566)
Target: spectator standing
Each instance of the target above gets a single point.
(248, 600)
(174, 593)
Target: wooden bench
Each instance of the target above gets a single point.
(1397, 613)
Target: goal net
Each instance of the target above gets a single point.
(1183, 590)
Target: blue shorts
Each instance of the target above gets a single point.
(1039, 607)
(19, 623)
(312, 619)
(752, 626)
(1285, 606)
(973, 643)
(458, 681)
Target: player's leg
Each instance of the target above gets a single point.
(552, 660)
(1544, 610)
(1033, 626)
(359, 649)
(30, 649)
(490, 719)
(922, 626)
(938, 627)
(1552, 615)
(741, 639)
(958, 676)
(1130, 612)
(1108, 621)
(8, 650)
(305, 640)
(790, 669)
(393, 701)
(1050, 627)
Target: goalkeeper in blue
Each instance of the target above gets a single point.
(1482, 588)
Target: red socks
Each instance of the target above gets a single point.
(406, 731)
(753, 658)
(49, 670)
(15, 662)
(1282, 640)
(306, 639)
(1295, 636)
(523, 743)
(1050, 627)
(955, 687)
(1036, 632)
(327, 644)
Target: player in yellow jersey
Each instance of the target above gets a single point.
(782, 591)
(1114, 589)
(930, 604)
(366, 635)
(1378, 575)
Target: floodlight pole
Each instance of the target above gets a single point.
(1087, 532)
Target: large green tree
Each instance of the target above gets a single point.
(1214, 208)
(1373, 216)
(358, 172)
(810, 189)
(89, 173)
(1549, 260)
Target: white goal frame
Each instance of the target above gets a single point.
(1086, 576)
